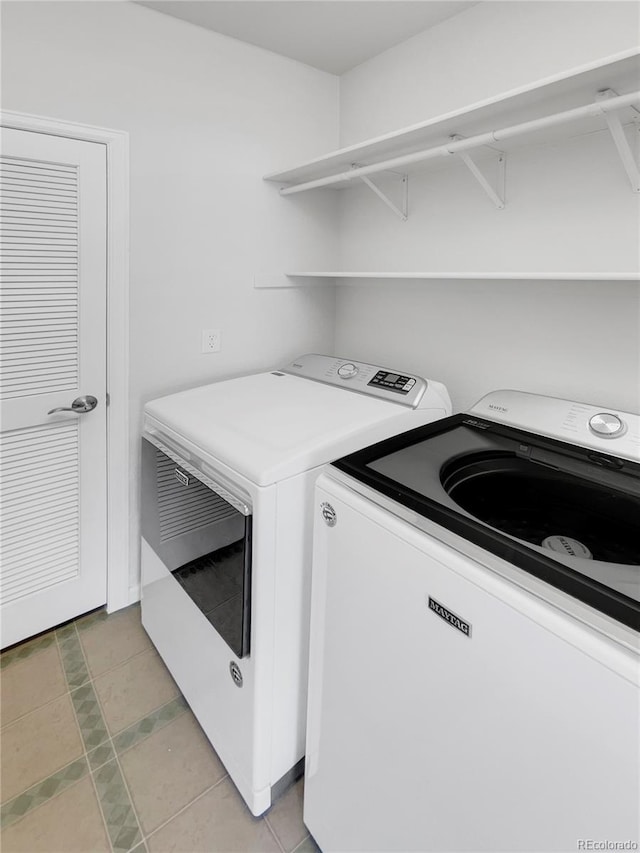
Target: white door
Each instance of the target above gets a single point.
(52, 351)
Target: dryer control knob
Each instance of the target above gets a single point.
(348, 370)
(606, 425)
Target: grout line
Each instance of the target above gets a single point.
(308, 835)
(117, 759)
(109, 741)
(30, 809)
(100, 809)
(188, 805)
(75, 716)
(100, 766)
(117, 665)
(145, 836)
(79, 757)
(161, 725)
(38, 708)
(53, 644)
(72, 690)
(91, 771)
(57, 641)
(38, 644)
(93, 678)
(110, 738)
(133, 806)
(83, 754)
(90, 679)
(69, 690)
(274, 833)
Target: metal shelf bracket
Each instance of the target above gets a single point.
(403, 211)
(497, 195)
(620, 140)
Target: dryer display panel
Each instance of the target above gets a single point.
(393, 382)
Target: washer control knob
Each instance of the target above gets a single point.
(606, 425)
(347, 370)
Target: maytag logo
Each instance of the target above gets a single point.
(181, 477)
(328, 513)
(449, 617)
(498, 408)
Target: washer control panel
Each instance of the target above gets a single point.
(607, 425)
(359, 376)
(613, 433)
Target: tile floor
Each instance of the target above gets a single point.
(100, 752)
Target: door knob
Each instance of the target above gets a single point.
(80, 405)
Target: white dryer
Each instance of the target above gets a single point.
(228, 476)
(475, 657)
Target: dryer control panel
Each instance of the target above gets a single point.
(393, 381)
(393, 385)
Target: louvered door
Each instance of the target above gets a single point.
(52, 350)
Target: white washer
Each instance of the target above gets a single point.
(474, 660)
(228, 476)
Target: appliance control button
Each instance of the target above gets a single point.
(606, 425)
(347, 370)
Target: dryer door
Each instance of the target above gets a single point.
(202, 540)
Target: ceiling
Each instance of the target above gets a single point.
(333, 35)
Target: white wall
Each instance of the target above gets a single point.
(569, 207)
(577, 340)
(492, 48)
(207, 117)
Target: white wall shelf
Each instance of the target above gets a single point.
(555, 108)
(601, 98)
(298, 279)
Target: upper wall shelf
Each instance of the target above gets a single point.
(295, 279)
(555, 108)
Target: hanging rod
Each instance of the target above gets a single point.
(597, 108)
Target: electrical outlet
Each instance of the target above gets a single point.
(211, 340)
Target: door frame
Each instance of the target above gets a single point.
(120, 593)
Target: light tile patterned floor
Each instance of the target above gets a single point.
(100, 752)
